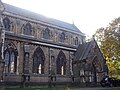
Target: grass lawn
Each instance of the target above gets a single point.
(56, 88)
(112, 89)
(35, 88)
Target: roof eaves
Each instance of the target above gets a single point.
(32, 15)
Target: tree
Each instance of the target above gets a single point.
(108, 39)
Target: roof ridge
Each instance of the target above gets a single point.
(36, 16)
(37, 13)
(85, 48)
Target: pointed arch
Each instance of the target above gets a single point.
(27, 29)
(96, 62)
(46, 33)
(6, 23)
(11, 45)
(61, 63)
(62, 37)
(10, 58)
(38, 61)
(96, 68)
(76, 40)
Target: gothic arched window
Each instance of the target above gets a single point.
(6, 58)
(62, 37)
(76, 41)
(6, 23)
(61, 63)
(10, 60)
(27, 29)
(46, 33)
(38, 61)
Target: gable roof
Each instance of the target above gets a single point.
(38, 17)
(82, 54)
(83, 50)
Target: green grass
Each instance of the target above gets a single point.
(56, 88)
(35, 89)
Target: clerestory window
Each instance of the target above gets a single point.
(62, 37)
(46, 33)
(27, 30)
(76, 41)
(6, 23)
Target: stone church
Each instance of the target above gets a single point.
(89, 65)
(36, 49)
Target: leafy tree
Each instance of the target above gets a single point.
(108, 39)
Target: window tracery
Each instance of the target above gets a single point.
(6, 23)
(10, 55)
(38, 61)
(76, 40)
(27, 30)
(46, 34)
(62, 37)
(61, 63)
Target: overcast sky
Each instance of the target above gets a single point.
(87, 15)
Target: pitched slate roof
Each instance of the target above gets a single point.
(83, 50)
(38, 17)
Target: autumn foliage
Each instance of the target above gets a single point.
(108, 39)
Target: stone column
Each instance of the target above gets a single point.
(17, 65)
(26, 63)
(18, 57)
(25, 75)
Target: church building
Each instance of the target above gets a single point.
(89, 65)
(35, 48)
